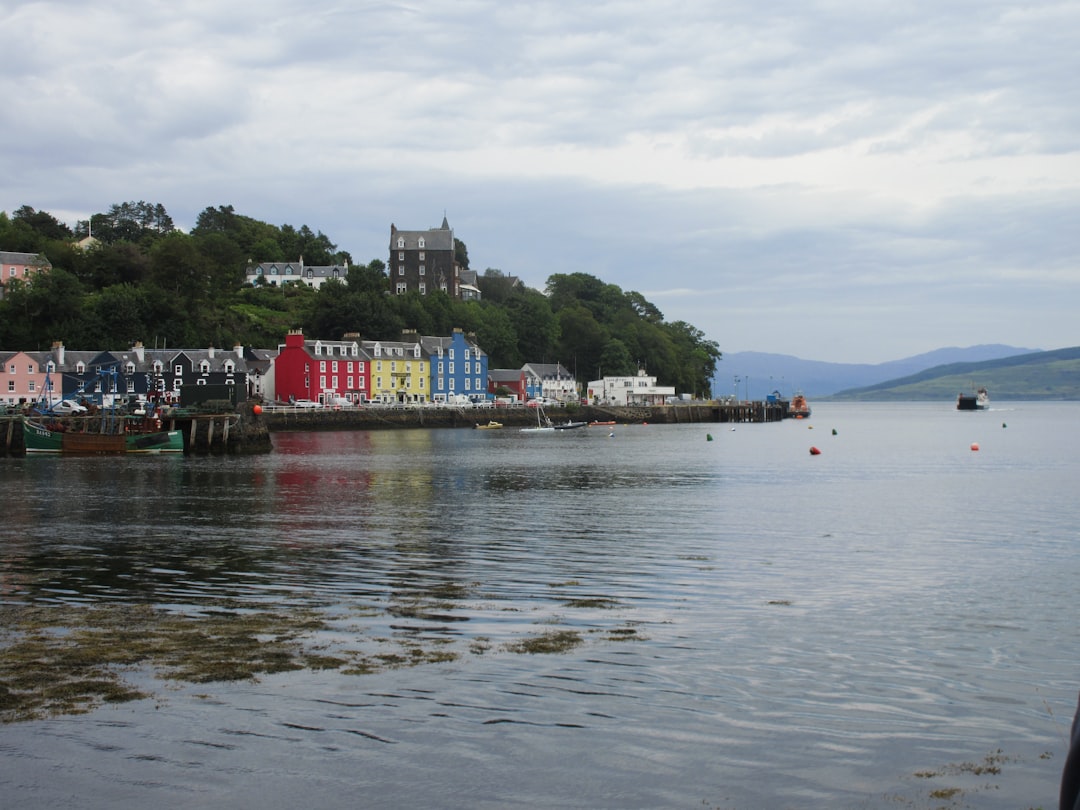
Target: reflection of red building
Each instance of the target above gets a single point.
(321, 370)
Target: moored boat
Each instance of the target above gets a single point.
(130, 437)
(491, 425)
(799, 407)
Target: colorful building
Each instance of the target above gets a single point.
(321, 370)
(458, 367)
(399, 371)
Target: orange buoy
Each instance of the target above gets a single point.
(974, 445)
(814, 451)
(257, 410)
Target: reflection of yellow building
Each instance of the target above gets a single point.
(399, 371)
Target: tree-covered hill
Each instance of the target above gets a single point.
(141, 279)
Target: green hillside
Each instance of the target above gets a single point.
(1053, 375)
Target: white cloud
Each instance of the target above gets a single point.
(849, 169)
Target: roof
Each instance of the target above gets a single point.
(497, 374)
(11, 257)
(441, 238)
(546, 370)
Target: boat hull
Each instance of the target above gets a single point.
(40, 439)
(979, 401)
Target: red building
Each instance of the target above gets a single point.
(322, 370)
(512, 379)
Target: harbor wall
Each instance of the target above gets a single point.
(250, 432)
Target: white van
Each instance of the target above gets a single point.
(339, 402)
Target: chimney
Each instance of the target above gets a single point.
(210, 352)
(140, 351)
(58, 353)
(239, 351)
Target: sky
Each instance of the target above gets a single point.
(842, 181)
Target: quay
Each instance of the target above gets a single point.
(392, 417)
(249, 429)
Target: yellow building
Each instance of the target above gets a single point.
(399, 372)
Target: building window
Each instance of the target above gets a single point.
(178, 371)
(401, 270)
(401, 288)
(204, 367)
(401, 242)
(421, 255)
(423, 288)
(423, 270)
(420, 244)
(401, 256)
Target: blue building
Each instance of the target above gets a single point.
(459, 367)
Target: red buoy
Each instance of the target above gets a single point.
(257, 410)
(814, 451)
(974, 445)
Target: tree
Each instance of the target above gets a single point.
(615, 360)
(132, 222)
(461, 254)
(44, 224)
(536, 325)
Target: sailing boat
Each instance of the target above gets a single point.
(543, 424)
(547, 426)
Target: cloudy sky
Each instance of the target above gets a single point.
(836, 180)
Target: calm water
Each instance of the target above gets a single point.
(762, 628)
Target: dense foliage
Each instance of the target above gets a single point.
(144, 280)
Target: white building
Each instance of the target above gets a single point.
(639, 390)
(275, 274)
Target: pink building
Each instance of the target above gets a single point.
(20, 266)
(22, 377)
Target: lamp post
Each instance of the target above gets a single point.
(737, 381)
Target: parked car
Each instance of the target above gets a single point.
(67, 407)
(305, 403)
(340, 402)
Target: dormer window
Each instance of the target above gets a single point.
(204, 366)
(230, 367)
(80, 367)
(158, 367)
(420, 244)
(130, 367)
(401, 242)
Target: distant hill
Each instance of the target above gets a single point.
(780, 372)
(1051, 375)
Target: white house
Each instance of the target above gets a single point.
(639, 390)
(275, 274)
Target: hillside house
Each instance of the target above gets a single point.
(424, 261)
